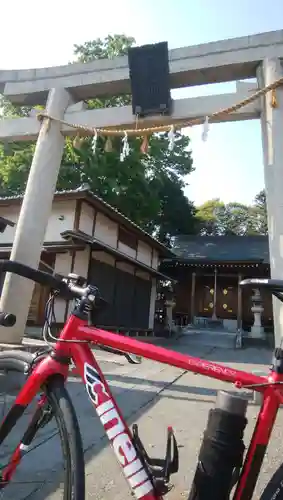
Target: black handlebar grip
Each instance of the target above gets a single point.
(40, 277)
(7, 319)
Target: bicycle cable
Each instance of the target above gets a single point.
(50, 318)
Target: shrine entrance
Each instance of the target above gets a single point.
(223, 304)
(62, 92)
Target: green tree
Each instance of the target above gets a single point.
(107, 48)
(210, 216)
(112, 46)
(215, 218)
(14, 167)
(236, 219)
(16, 157)
(148, 188)
(7, 109)
(177, 214)
(259, 213)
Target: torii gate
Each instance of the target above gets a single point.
(62, 88)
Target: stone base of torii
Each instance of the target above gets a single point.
(63, 87)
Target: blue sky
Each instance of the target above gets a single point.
(229, 165)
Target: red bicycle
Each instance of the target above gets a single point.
(223, 468)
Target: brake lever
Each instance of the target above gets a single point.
(109, 349)
(133, 359)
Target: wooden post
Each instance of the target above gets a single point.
(239, 308)
(214, 315)
(193, 297)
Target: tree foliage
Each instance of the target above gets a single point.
(112, 46)
(259, 211)
(215, 218)
(147, 188)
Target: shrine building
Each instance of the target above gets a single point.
(208, 270)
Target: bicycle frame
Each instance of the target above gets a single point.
(110, 415)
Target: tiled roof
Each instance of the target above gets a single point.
(222, 248)
(88, 194)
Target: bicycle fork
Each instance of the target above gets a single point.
(41, 416)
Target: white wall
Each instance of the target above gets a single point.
(81, 262)
(63, 265)
(103, 257)
(155, 259)
(11, 213)
(80, 267)
(126, 250)
(106, 230)
(142, 274)
(63, 262)
(60, 210)
(61, 219)
(124, 266)
(87, 216)
(144, 253)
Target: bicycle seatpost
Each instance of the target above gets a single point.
(222, 449)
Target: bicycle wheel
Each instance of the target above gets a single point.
(274, 489)
(58, 411)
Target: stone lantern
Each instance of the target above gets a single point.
(257, 329)
(169, 304)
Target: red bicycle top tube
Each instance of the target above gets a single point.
(76, 329)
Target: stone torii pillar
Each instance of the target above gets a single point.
(36, 207)
(272, 141)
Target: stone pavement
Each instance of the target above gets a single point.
(211, 338)
(154, 396)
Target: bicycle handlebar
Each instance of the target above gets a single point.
(57, 282)
(36, 275)
(7, 319)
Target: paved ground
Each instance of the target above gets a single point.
(154, 396)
